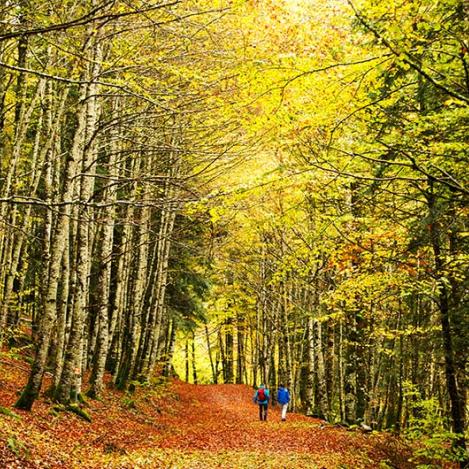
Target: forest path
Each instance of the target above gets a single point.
(178, 426)
(224, 417)
(218, 426)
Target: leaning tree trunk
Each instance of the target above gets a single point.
(210, 355)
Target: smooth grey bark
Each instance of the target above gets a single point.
(104, 280)
(59, 242)
(69, 387)
(133, 317)
(6, 237)
(168, 218)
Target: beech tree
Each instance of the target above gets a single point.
(97, 163)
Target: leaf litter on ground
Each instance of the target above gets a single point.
(180, 425)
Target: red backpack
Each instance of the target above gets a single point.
(261, 395)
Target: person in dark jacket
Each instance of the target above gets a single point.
(283, 398)
(262, 397)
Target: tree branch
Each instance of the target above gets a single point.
(85, 19)
(405, 57)
(84, 82)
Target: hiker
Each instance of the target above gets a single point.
(262, 398)
(283, 398)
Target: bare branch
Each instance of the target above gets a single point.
(85, 82)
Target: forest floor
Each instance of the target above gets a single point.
(178, 425)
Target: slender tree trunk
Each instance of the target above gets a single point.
(321, 405)
(167, 369)
(457, 410)
(310, 404)
(130, 349)
(6, 242)
(186, 349)
(194, 368)
(122, 281)
(168, 218)
(69, 387)
(341, 372)
(104, 282)
(240, 358)
(210, 355)
(229, 351)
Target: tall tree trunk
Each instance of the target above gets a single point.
(240, 358)
(59, 242)
(168, 218)
(167, 369)
(6, 239)
(321, 405)
(309, 395)
(229, 351)
(186, 355)
(194, 367)
(104, 280)
(457, 409)
(210, 355)
(134, 317)
(69, 387)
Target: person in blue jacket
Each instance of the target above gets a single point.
(283, 398)
(262, 397)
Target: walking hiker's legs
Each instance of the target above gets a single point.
(284, 411)
(265, 410)
(260, 412)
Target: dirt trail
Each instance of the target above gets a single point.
(181, 426)
(223, 417)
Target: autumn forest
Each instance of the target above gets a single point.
(198, 197)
